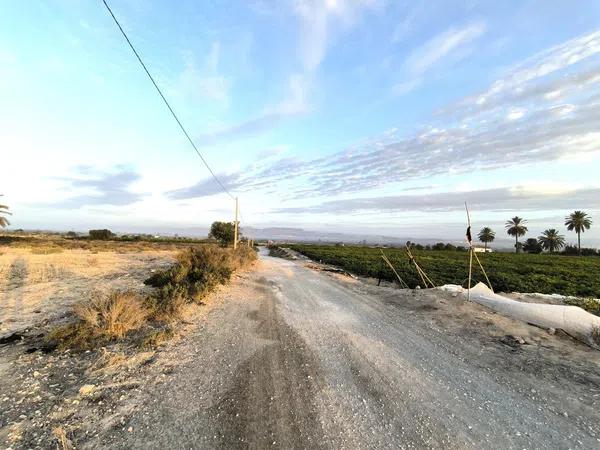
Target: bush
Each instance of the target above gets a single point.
(196, 272)
(101, 234)
(572, 250)
(532, 245)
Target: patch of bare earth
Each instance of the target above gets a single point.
(39, 287)
(539, 352)
(45, 392)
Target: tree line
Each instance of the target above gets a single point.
(550, 240)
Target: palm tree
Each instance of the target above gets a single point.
(486, 235)
(578, 221)
(514, 227)
(3, 220)
(551, 240)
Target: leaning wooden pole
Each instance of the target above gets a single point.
(424, 277)
(484, 272)
(412, 260)
(400, 280)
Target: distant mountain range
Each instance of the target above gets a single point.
(284, 234)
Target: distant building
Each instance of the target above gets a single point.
(482, 250)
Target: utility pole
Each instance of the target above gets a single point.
(235, 229)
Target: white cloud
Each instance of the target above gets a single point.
(294, 104)
(549, 75)
(519, 198)
(320, 21)
(515, 114)
(451, 145)
(405, 87)
(451, 44)
(406, 26)
(206, 82)
(440, 46)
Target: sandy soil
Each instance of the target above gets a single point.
(40, 287)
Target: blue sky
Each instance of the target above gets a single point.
(356, 116)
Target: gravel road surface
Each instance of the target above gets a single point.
(295, 358)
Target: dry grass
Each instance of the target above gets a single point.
(35, 286)
(173, 310)
(103, 319)
(46, 250)
(113, 316)
(158, 338)
(111, 363)
(41, 242)
(63, 442)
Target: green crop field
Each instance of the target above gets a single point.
(508, 272)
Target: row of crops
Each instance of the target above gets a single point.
(508, 272)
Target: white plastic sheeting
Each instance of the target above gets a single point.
(571, 319)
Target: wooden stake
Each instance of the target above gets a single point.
(402, 283)
(421, 272)
(484, 273)
(235, 225)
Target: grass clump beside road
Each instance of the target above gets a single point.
(113, 317)
(102, 319)
(508, 272)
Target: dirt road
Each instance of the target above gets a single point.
(294, 358)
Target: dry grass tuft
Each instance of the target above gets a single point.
(103, 319)
(113, 316)
(64, 443)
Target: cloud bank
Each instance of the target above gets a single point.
(93, 187)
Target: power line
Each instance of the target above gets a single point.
(166, 102)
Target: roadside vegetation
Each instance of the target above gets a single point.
(150, 319)
(508, 272)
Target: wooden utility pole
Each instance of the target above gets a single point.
(235, 226)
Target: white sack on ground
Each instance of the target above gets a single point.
(571, 319)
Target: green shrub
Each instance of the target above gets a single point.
(103, 234)
(196, 272)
